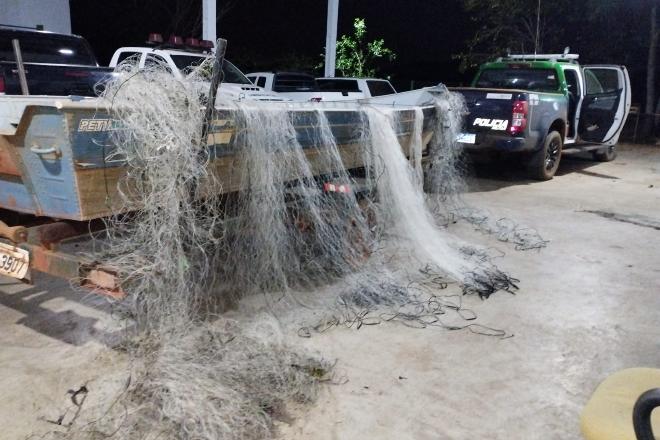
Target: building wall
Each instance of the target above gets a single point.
(53, 14)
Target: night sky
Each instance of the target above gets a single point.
(424, 34)
(267, 34)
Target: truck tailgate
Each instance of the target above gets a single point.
(490, 110)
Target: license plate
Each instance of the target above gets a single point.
(466, 138)
(14, 261)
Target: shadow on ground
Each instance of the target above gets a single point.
(62, 321)
(503, 172)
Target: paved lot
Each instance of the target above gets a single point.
(588, 306)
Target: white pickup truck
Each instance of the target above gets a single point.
(300, 87)
(235, 85)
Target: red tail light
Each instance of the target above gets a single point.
(2, 84)
(206, 44)
(336, 188)
(519, 117)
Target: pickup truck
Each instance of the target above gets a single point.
(300, 87)
(55, 64)
(180, 59)
(535, 105)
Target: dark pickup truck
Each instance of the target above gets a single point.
(536, 105)
(55, 64)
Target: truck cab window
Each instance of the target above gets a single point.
(55, 49)
(123, 56)
(155, 61)
(537, 80)
(291, 82)
(261, 81)
(601, 81)
(379, 88)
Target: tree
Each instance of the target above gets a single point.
(356, 57)
(512, 25)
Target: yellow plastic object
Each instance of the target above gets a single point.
(608, 414)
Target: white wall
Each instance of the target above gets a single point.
(53, 14)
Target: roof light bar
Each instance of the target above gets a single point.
(175, 40)
(155, 38)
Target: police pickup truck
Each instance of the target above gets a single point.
(536, 105)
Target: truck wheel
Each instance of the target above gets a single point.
(606, 154)
(544, 163)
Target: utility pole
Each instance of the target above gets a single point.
(331, 38)
(651, 65)
(209, 20)
(538, 21)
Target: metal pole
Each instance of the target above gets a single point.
(19, 66)
(331, 38)
(209, 20)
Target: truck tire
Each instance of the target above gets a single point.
(606, 154)
(544, 163)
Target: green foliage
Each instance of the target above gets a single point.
(356, 57)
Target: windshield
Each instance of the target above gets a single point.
(185, 63)
(538, 80)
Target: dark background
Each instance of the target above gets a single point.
(426, 35)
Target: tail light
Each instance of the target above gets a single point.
(519, 117)
(336, 188)
(2, 84)
(316, 99)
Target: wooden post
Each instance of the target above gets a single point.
(19, 66)
(216, 80)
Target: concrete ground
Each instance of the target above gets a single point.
(588, 305)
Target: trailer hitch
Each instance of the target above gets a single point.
(17, 234)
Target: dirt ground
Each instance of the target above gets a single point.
(588, 306)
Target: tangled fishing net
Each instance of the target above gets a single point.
(277, 199)
(446, 181)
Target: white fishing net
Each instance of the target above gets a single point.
(307, 204)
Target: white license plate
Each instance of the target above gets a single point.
(466, 138)
(14, 261)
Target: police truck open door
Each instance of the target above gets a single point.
(605, 104)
